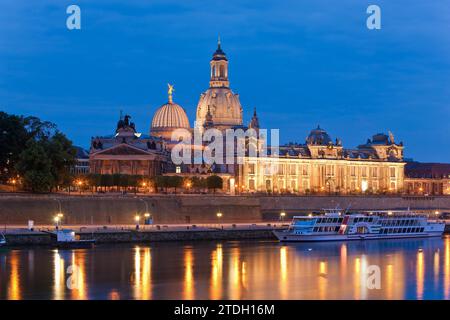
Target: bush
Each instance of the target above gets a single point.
(214, 182)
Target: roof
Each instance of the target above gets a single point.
(427, 170)
(81, 153)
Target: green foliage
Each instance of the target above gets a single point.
(214, 182)
(13, 138)
(198, 183)
(36, 151)
(35, 166)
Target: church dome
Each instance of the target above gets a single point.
(170, 115)
(224, 105)
(319, 137)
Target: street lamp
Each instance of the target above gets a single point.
(56, 219)
(282, 215)
(219, 215)
(79, 183)
(136, 219)
(147, 219)
(13, 181)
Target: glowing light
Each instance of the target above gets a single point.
(420, 274)
(56, 219)
(283, 214)
(147, 215)
(137, 218)
(219, 214)
(364, 185)
(188, 284)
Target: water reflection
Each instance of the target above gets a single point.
(142, 282)
(14, 278)
(216, 273)
(409, 269)
(188, 290)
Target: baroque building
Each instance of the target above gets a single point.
(320, 164)
(128, 152)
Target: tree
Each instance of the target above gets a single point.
(13, 137)
(198, 183)
(175, 182)
(214, 182)
(17, 134)
(161, 182)
(34, 166)
(62, 156)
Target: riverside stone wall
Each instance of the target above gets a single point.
(104, 210)
(191, 209)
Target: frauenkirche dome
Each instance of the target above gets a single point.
(224, 105)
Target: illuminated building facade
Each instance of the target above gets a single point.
(321, 165)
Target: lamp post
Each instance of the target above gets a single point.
(188, 186)
(56, 219)
(219, 216)
(282, 215)
(136, 219)
(79, 183)
(13, 181)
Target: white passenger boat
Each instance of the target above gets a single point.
(334, 225)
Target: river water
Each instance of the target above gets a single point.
(378, 269)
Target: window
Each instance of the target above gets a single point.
(178, 169)
(251, 168)
(329, 170)
(392, 172)
(305, 170)
(251, 184)
(364, 171)
(374, 172)
(293, 169)
(353, 171)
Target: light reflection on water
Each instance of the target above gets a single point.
(410, 269)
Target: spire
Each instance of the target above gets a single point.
(170, 92)
(254, 123)
(219, 68)
(208, 119)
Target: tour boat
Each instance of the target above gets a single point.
(334, 225)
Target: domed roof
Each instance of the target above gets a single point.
(170, 115)
(319, 137)
(224, 106)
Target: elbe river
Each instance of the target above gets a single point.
(378, 269)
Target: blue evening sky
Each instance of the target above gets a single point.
(300, 63)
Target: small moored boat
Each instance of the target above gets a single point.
(66, 238)
(2, 240)
(337, 226)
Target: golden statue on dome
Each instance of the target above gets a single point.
(170, 91)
